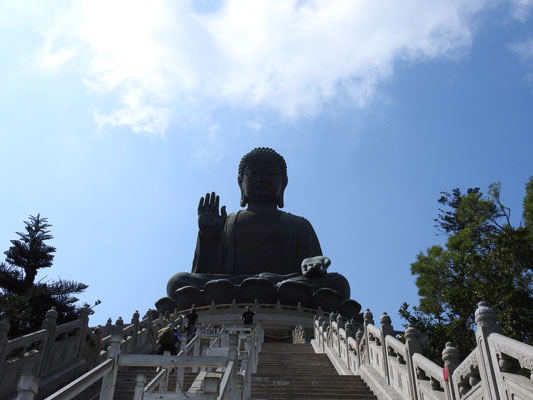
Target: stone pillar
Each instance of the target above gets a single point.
(50, 324)
(139, 387)
(28, 386)
(332, 317)
(452, 359)
(233, 342)
(211, 386)
(84, 328)
(368, 319)
(98, 337)
(109, 381)
(4, 330)
(412, 346)
(135, 323)
(358, 338)
(386, 329)
(486, 323)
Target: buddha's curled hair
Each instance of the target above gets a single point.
(264, 153)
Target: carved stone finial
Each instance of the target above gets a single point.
(341, 321)
(52, 314)
(451, 356)
(359, 335)
(349, 327)
(485, 316)
(119, 323)
(84, 311)
(385, 319)
(412, 334)
(368, 317)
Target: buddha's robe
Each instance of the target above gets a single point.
(273, 248)
(278, 245)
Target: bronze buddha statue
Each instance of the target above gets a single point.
(259, 252)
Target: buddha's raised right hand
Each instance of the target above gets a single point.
(210, 222)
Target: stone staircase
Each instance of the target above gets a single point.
(295, 371)
(126, 380)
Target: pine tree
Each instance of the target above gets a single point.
(22, 300)
(31, 252)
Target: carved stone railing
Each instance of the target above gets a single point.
(396, 369)
(45, 360)
(226, 375)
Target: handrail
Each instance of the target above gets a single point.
(156, 380)
(230, 369)
(83, 382)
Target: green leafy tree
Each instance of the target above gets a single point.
(22, 300)
(484, 258)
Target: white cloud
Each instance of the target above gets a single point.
(524, 50)
(521, 9)
(288, 56)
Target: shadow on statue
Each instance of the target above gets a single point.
(258, 253)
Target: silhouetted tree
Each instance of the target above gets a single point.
(22, 300)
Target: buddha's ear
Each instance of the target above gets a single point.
(280, 198)
(244, 200)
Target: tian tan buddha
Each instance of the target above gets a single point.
(260, 252)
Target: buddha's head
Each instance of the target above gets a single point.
(262, 177)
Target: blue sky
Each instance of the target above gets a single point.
(117, 117)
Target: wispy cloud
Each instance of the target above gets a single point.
(292, 56)
(521, 9)
(524, 50)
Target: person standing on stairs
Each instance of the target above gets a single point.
(248, 316)
(192, 317)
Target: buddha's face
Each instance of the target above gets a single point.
(262, 181)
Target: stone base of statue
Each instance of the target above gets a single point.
(277, 320)
(261, 289)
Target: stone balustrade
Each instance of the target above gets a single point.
(396, 369)
(225, 375)
(47, 359)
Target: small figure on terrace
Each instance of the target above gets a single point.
(259, 252)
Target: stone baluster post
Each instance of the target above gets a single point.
(196, 351)
(84, 328)
(324, 330)
(368, 319)
(341, 321)
(28, 386)
(139, 387)
(486, 323)
(412, 346)
(98, 347)
(386, 329)
(242, 381)
(349, 329)
(211, 387)
(135, 323)
(452, 359)
(358, 337)
(109, 381)
(50, 324)
(233, 355)
(4, 330)
(332, 317)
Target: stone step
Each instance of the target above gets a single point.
(287, 371)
